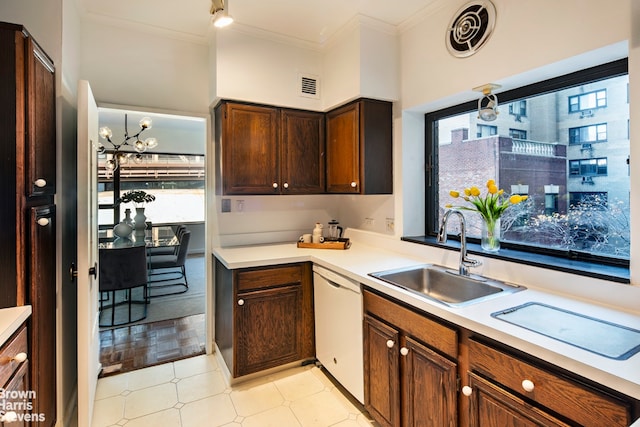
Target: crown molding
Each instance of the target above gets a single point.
(128, 24)
(431, 9)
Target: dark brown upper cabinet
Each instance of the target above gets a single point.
(268, 150)
(359, 148)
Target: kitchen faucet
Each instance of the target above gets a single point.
(465, 262)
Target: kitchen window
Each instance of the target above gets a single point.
(580, 219)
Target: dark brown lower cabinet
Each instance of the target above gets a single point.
(264, 316)
(407, 383)
(491, 406)
(422, 371)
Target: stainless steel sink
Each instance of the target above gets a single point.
(445, 285)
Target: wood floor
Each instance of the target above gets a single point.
(134, 347)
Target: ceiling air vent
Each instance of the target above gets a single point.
(470, 28)
(309, 86)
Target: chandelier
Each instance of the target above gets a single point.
(121, 157)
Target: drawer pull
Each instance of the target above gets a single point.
(390, 343)
(528, 385)
(467, 391)
(40, 183)
(20, 357)
(240, 301)
(9, 417)
(404, 351)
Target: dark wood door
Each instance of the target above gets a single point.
(269, 328)
(41, 123)
(492, 406)
(250, 149)
(343, 149)
(42, 297)
(381, 372)
(429, 395)
(302, 160)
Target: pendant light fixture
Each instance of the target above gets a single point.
(138, 145)
(488, 104)
(220, 14)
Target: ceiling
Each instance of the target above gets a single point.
(313, 21)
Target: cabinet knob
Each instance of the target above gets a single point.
(285, 185)
(390, 343)
(240, 301)
(20, 357)
(404, 351)
(275, 185)
(43, 221)
(9, 417)
(353, 184)
(40, 182)
(466, 390)
(528, 385)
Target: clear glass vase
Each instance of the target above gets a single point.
(490, 238)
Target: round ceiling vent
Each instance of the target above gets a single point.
(470, 28)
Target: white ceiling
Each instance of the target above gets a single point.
(312, 21)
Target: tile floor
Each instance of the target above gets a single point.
(192, 393)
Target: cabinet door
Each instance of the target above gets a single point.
(343, 149)
(492, 406)
(429, 387)
(381, 372)
(42, 297)
(250, 149)
(20, 384)
(269, 328)
(302, 162)
(41, 123)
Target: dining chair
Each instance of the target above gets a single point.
(122, 270)
(170, 264)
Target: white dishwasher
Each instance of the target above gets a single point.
(338, 316)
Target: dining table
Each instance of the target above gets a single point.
(154, 237)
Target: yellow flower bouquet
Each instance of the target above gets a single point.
(490, 206)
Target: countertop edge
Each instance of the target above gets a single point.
(10, 320)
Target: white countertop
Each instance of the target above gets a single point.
(10, 320)
(363, 258)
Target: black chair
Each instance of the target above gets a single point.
(168, 250)
(122, 270)
(175, 264)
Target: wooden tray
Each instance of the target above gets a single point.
(339, 244)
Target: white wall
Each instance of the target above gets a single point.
(250, 68)
(132, 66)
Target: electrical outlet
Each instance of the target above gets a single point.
(369, 222)
(390, 225)
(240, 205)
(226, 205)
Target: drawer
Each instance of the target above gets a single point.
(269, 277)
(430, 332)
(16, 344)
(575, 400)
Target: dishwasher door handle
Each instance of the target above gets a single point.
(336, 285)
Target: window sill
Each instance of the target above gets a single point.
(612, 273)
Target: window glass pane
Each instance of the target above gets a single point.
(575, 202)
(177, 182)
